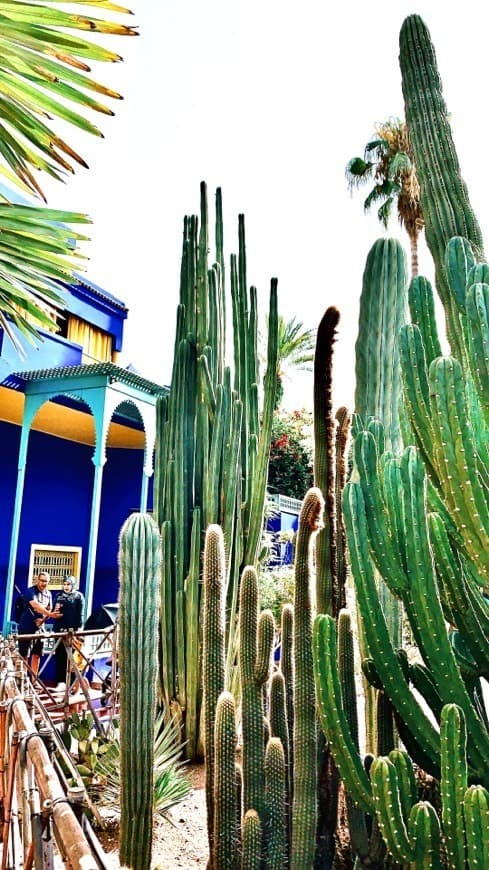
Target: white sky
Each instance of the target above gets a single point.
(267, 99)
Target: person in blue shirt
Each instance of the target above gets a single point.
(38, 608)
(70, 604)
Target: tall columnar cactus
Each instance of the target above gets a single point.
(213, 655)
(256, 640)
(327, 593)
(211, 452)
(225, 852)
(304, 802)
(444, 198)
(139, 579)
(383, 310)
(276, 805)
(252, 836)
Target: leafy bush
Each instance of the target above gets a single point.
(276, 589)
(170, 784)
(290, 470)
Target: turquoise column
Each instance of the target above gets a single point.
(102, 411)
(32, 405)
(94, 528)
(149, 422)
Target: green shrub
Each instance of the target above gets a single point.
(276, 587)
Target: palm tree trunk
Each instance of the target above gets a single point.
(413, 239)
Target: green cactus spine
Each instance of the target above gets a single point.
(213, 655)
(139, 579)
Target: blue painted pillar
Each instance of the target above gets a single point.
(94, 527)
(144, 493)
(149, 421)
(32, 405)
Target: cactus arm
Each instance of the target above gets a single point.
(212, 658)
(424, 834)
(251, 703)
(264, 651)
(477, 303)
(466, 499)
(278, 723)
(459, 261)
(385, 555)
(275, 790)
(323, 458)
(219, 237)
(332, 715)
(416, 394)
(453, 783)
(260, 477)
(390, 671)
(213, 480)
(476, 814)
(405, 778)
(286, 667)
(252, 836)
(422, 309)
(427, 606)
(304, 802)
(444, 198)
(383, 310)
(385, 790)
(465, 601)
(422, 680)
(192, 642)
(139, 578)
(225, 834)
(166, 617)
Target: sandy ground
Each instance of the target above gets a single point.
(180, 840)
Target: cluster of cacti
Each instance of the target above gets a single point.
(420, 521)
(211, 453)
(139, 579)
(417, 521)
(267, 807)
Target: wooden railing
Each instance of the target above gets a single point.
(36, 811)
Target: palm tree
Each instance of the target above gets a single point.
(295, 351)
(44, 75)
(388, 161)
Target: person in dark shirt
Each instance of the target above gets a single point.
(39, 608)
(70, 605)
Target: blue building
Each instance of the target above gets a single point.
(77, 434)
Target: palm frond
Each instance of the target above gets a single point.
(376, 149)
(43, 73)
(170, 784)
(399, 165)
(358, 172)
(36, 253)
(385, 211)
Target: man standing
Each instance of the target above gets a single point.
(39, 607)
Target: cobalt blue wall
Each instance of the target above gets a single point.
(57, 500)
